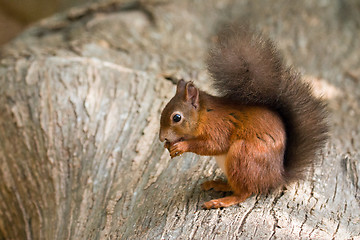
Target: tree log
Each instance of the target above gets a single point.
(81, 96)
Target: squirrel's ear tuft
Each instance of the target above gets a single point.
(192, 94)
(180, 86)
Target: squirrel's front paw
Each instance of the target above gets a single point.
(178, 148)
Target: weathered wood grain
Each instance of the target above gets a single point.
(80, 100)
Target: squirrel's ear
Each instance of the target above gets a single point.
(192, 94)
(180, 86)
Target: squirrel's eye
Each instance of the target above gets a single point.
(177, 118)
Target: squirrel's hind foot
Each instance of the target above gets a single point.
(225, 202)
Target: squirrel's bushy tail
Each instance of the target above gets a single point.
(248, 68)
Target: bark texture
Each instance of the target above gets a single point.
(80, 100)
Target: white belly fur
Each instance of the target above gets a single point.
(220, 160)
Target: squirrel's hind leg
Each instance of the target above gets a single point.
(217, 185)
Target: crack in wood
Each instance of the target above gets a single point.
(272, 210)
(174, 80)
(337, 228)
(302, 225)
(246, 215)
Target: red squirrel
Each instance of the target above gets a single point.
(264, 128)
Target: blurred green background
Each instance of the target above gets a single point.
(15, 15)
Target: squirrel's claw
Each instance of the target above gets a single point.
(177, 149)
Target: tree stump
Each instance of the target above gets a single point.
(81, 96)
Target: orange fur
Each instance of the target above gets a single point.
(253, 138)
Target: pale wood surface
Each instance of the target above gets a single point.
(80, 100)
